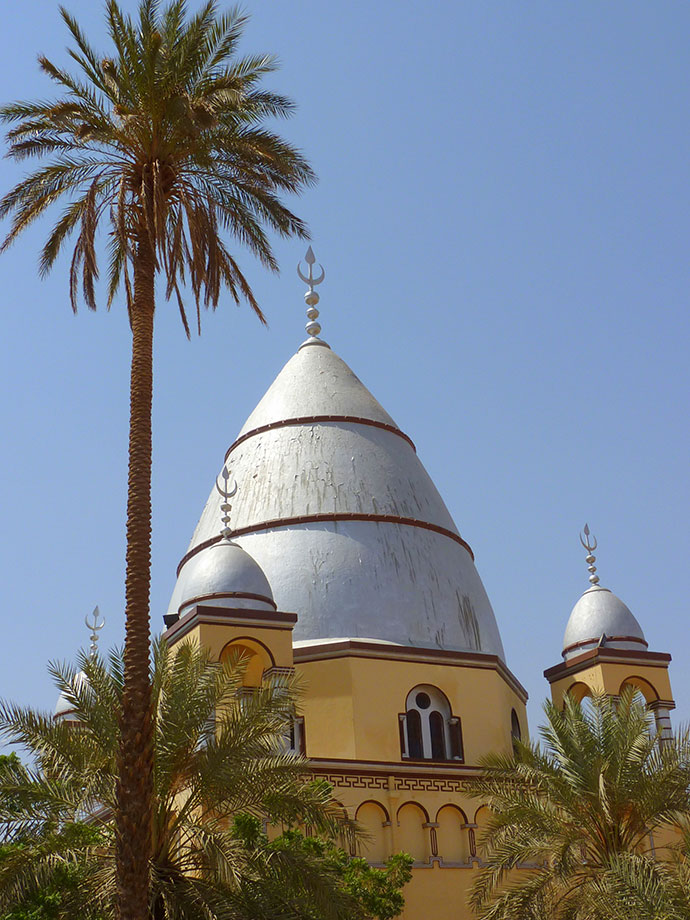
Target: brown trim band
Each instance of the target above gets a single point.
(335, 517)
(661, 704)
(201, 598)
(261, 619)
(315, 420)
(603, 653)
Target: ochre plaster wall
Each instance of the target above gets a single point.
(351, 706)
(433, 820)
(351, 709)
(214, 637)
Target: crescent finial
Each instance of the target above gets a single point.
(94, 627)
(311, 297)
(225, 506)
(589, 542)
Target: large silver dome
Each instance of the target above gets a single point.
(343, 519)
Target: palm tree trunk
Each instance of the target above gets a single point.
(135, 760)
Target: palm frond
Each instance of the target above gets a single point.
(577, 804)
(219, 751)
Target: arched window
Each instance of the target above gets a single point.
(250, 656)
(438, 735)
(515, 730)
(428, 728)
(414, 735)
(295, 739)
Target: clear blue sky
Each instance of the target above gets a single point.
(503, 216)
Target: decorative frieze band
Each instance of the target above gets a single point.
(402, 783)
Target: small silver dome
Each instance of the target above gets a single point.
(597, 614)
(64, 709)
(224, 575)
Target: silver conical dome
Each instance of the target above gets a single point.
(343, 519)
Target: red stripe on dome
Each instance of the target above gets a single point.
(334, 518)
(597, 639)
(220, 595)
(315, 420)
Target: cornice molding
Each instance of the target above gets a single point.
(603, 655)
(229, 616)
(360, 648)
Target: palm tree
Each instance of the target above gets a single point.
(636, 886)
(219, 752)
(164, 143)
(601, 783)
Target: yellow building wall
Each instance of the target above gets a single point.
(276, 643)
(351, 706)
(434, 821)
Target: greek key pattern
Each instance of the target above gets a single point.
(349, 781)
(402, 783)
(405, 784)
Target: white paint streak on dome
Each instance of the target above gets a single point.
(600, 613)
(369, 579)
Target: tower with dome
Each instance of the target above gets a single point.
(336, 556)
(605, 651)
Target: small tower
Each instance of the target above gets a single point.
(605, 650)
(225, 604)
(64, 710)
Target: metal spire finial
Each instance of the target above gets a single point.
(590, 558)
(311, 298)
(225, 505)
(94, 628)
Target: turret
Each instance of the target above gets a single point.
(605, 650)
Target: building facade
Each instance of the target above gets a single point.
(337, 557)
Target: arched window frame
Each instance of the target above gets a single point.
(430, 741)
(515, 727)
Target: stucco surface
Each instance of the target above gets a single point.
(338, 467)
